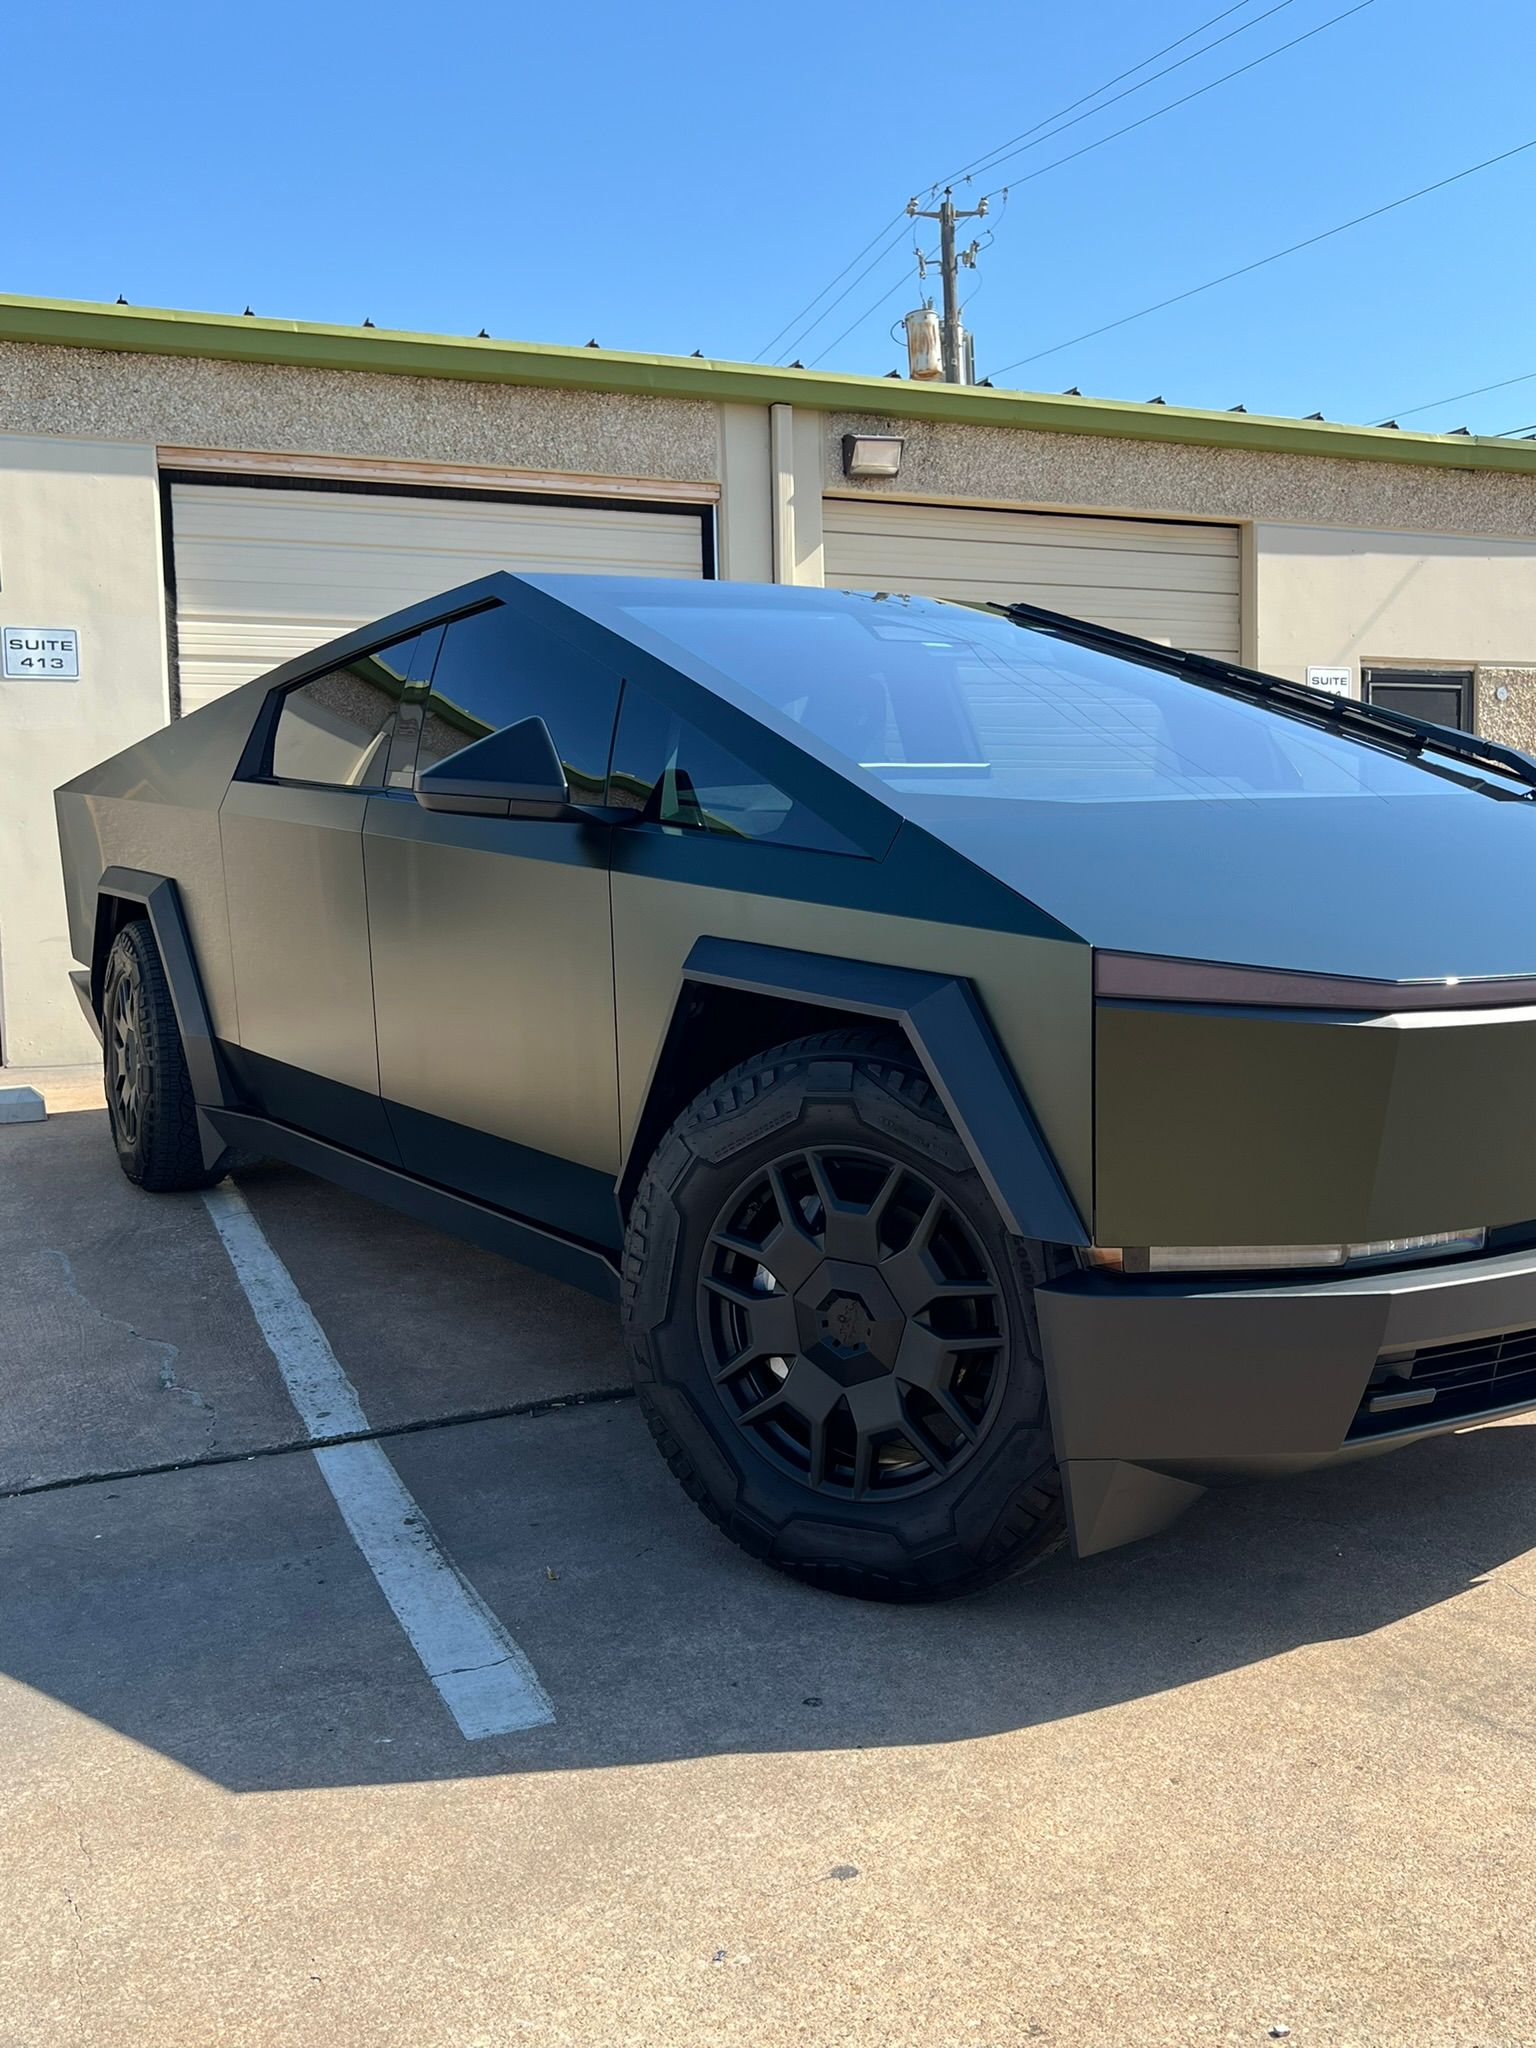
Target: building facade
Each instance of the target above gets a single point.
(186, 500)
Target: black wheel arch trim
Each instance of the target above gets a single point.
(160, 900)
(948, 1030)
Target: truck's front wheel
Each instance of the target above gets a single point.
(833, 1335)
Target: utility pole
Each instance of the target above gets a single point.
(949, 262)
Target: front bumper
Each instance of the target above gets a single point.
(1159, 1387)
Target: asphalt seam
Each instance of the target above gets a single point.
(592, 1398)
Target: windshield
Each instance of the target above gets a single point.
(936, 699)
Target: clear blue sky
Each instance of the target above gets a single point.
(670, 178)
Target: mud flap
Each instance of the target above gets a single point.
(1110, 1502)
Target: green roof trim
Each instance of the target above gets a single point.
(235, 338)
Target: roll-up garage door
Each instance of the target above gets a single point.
(263, 574)
(1174, 582)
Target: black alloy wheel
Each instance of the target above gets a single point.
(127, 1072)
(853, 1323)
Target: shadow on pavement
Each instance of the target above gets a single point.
(222, 1617)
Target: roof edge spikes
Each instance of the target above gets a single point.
(305, 345)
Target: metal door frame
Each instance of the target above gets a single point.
(1462, 680)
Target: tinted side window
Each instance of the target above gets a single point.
(495, 669)
(683, 781)
(336, 729)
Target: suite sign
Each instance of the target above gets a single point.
(40, 654)
(1338, 682)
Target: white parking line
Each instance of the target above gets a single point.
(486, 1682)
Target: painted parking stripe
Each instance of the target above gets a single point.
(325, 1398)
(488, 1684)
(485, 1680)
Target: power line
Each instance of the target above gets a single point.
(899, 286)
(1259, 263)
(803, 333)
(793, 324)
(1406, 412)
(1072, 155)
(1199, 92)
(965, 170)
(899, 221)
(1006, 150)
(1504, 434)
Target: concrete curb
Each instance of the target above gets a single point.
(21, 1106)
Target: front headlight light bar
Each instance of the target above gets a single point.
(1271, 1258)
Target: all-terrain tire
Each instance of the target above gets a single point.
(851, 1101)
(150, 1104)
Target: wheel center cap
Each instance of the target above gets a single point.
(848, 1321)
(845, 1322)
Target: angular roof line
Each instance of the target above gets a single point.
(302, 344)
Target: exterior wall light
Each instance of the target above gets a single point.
(872, 454)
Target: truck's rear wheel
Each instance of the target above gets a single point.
(150, 1104)
(832, 1334)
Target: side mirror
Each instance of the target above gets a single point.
(514, 773)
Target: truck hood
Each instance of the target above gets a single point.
(1395, 888)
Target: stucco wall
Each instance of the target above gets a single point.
(1512, 718)
(994, 465)
(79, 546)
(179, 401)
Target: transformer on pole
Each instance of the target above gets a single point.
(925, 345)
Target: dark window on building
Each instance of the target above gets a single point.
(1443, 696)
(683, 781)
(495, 669)
(335, 730)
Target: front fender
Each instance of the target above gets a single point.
(948, 1030)
(158, 896)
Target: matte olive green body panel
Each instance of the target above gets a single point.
(155, 807)
(1223, 1126)
(298, 928)
(1037, 992)
(493, 976)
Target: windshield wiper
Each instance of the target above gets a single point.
(1372, 723)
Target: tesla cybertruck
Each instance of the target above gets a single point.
(1011, 1075)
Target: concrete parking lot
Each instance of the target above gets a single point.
(1272, 1772)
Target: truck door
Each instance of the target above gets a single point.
(493, 947)
(292, 833)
